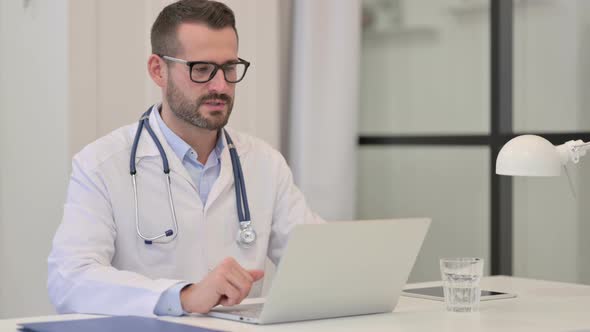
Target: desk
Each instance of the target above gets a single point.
(540, 306)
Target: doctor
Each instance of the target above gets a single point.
(176, 213)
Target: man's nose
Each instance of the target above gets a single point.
(218, 82)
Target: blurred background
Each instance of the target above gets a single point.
(383, 109)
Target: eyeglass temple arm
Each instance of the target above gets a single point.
(174, 59)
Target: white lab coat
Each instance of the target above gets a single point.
(98, 263)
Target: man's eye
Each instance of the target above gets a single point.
(201, 68)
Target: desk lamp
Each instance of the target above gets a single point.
(531, 155)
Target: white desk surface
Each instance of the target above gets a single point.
(540, 306)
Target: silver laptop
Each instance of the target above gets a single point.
(338, 269)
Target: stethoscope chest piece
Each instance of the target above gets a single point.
(246, 234)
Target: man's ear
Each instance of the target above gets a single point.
(157, 70)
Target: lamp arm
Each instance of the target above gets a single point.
(583, 146)
(571, 151)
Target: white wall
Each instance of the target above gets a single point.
(33, 146)
(72, 71)
(258, 105)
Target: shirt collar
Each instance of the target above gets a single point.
(178, 145)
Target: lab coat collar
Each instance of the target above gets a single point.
(147, 148)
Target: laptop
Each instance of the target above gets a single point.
(337, 269)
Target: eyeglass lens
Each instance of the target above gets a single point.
(203, 72)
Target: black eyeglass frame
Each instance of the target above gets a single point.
(216, 66)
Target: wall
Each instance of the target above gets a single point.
(33, 145)
(258, 106)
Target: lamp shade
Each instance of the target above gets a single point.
(529, 155)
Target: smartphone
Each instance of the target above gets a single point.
(437, 294)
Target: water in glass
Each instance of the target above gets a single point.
(462, 292)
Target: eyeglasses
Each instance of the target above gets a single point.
(204, 71)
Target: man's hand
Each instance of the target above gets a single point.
(228, 284)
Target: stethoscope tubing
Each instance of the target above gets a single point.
(243, 214)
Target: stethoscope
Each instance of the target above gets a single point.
(246, 234)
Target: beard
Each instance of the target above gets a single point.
(190, 112)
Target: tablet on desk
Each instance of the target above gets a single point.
(437, 294)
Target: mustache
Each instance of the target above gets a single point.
(213, 96)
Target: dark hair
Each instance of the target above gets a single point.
(214, 14)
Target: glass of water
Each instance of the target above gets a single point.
(460, 278)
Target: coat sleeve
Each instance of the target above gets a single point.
(81, 278)
(290, 209)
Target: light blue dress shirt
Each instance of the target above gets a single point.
(203, 177)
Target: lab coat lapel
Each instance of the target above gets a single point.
(147, 148)
(225, 179)
(226, 175)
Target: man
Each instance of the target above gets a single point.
(107, 256)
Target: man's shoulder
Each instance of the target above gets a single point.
(106, 147)
(250, 144)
